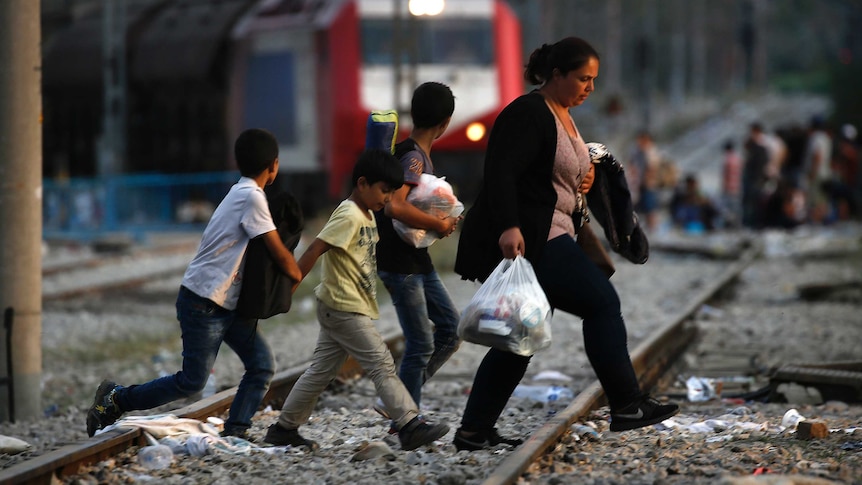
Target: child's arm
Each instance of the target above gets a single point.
(282, 256)
(401, 209)
(309, 257)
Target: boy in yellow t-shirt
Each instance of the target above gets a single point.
(346, 308)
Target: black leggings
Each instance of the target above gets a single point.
(575, 285)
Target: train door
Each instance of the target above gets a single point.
(279, 95)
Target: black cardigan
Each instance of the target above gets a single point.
(516, 190)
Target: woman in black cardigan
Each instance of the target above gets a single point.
(537, 169)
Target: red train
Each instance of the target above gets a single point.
(200, 71)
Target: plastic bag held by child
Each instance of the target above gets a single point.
(509, 311)
(434, 196)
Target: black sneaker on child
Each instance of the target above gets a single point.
(481, 440)
(104, 411)
(643, 412)
(235, 431)
(281, 436)
(417, 433)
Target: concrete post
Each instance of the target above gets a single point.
(21, 203)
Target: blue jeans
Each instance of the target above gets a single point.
(204, 327)
(429, 321)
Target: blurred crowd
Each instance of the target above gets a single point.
(772, 179)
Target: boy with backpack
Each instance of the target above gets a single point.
(428, 317)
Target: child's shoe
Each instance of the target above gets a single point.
(417, 433)
(281, 436)
(104, 411)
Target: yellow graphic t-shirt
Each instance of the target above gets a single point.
(349, 269)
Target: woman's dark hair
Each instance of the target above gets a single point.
(565, 55)
(378, 166)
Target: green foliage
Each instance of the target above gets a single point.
(803, 81)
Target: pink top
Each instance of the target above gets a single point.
(571, 164)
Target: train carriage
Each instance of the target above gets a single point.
(312, 76)
(197, 72)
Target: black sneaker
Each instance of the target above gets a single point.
(236, 431)
(281, 436)
(495, 439)
(643, 412)
(104, 411)
(483, 440)
(417, 433)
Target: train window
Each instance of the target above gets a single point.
(270, 95)
(453, 41)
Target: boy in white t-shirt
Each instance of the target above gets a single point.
(208, 297)
(347, 308)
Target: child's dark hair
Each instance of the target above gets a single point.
(255, 150)
(565, 55)
(432, 103)
(378, 166)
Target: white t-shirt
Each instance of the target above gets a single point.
(216, 271)
(348, 280)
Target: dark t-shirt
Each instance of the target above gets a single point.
(393, 254)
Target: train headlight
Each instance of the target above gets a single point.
(475, 131)
(426, 7)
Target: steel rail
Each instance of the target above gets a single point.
(69, 459)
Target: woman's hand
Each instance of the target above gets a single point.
(588, 180)
(512, 243)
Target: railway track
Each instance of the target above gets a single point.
(116, 270)
(652, 358)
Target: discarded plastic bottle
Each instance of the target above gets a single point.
(587, 432)
(156, 457)
(210, 386)
(544, 393)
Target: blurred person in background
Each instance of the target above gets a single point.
(818, 171)
(754, 177)
(731, 184)
(644, 166)
(846, 189)
(690, 209)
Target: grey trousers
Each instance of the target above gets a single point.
(343, 334)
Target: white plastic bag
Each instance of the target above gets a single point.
(433, 195)
(509, 311)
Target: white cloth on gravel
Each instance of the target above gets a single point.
(163, 425)
(185, 435)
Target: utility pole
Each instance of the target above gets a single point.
(112, 143)
(612, 62)
(21, 208)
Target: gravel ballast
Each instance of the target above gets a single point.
(730, 440)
